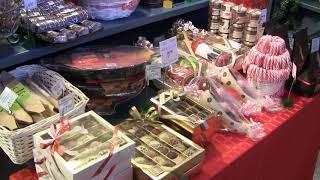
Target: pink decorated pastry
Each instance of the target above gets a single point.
(268, 61)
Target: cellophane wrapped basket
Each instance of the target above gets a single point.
(110, 9)
(18, 144)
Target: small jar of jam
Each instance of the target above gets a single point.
(226, 10)
(239, 14)
(253, 16)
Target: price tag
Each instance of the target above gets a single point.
(66, 104)
(263, 17)
(315, 44)
(7, 98)
(153, 71)
(30, 4)
(294, 71)
(169, 51)
(57, 89)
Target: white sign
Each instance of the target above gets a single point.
(7, 98)
(30, 4)
(57, 89)
(315, 44)
(294, 71)
(169, 51)
(153, 71)
(66, 104)
(263, 16)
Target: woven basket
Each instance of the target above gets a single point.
(18, 144)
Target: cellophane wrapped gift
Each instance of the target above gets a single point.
(107, 74)
(85, 147)
(110, 9)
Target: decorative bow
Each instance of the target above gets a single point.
(151, 115)
(56, 133)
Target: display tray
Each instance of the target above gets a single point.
(161, 153)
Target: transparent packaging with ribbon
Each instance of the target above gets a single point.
(161, 153)
(86, 147)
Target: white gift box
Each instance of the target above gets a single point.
(80, 162)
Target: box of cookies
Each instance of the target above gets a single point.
(161, 153)
(85, 147)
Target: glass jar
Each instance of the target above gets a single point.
(239, 14)
(250, 35)
(226, 10)
(237, 31)
(253, 16)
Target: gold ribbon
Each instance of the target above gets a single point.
(151, 115)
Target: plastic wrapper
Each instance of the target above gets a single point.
(91, 25)
(100, 62)
(80, 30)
(109, 9)
(54, 37)
(71, 35)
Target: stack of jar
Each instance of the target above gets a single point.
(251, 28)
(214, 15)
(238, 23)
(226, 16)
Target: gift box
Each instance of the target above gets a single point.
(85, 147)
(161, 152)
(186, 115)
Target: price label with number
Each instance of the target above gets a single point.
(169, 51)
(7, 98)
(30, 4)
(153, 71)
(66, 104)
(315, 44)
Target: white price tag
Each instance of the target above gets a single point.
(57, 89)
(169, 51)
(7, 98)
(294, 71)
(315, 44)
(263, 16)
(153, 71)
(66, 104)
(30, 4)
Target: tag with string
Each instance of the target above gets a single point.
(66, 104)
(288, 102)
(7, 98)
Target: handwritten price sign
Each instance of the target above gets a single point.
(169, 51)
(153, 71)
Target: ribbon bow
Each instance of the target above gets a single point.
(56, 133)
(151, 115)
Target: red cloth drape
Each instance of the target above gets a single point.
(288, 152)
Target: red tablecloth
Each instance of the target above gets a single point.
(288, 152)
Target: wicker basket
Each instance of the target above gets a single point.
(18, 144)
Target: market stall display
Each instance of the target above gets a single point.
(35, 107)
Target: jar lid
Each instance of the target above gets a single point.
(251, 29)
(254, 13)
(238, 25)
(214, 17)
(239, 9)
(216, 4)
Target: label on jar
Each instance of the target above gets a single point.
(226, 14)
(251, 38)
(225, 23)
(253, 23)
(237, 34)
(224, 29)
(215, 12)
(214, 26)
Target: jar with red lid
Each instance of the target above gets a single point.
(226, 10)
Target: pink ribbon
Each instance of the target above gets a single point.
(105, 162)
(54, 142)
(39, 162)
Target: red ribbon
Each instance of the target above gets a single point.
(105, 162)
(54, 142)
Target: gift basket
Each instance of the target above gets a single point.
(35, 108)
(10, 19)
(108, 75)
(268, 65)
(110, 9)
